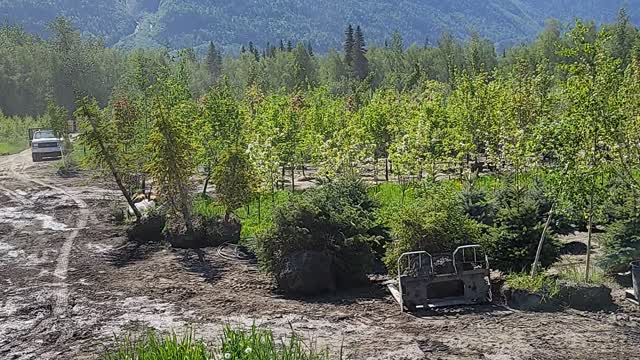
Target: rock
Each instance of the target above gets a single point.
(144, 207)
(306, 273)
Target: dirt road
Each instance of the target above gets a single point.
(69, 282)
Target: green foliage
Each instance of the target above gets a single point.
(14, 135)
(237, 344)
(540, 284)
(576, 275)
(155, 346)
(337, 219)
(476, 203)
(621, 243)
(259, 344)
(233, 178)
(512, 242)
(171, 146)
(434, 223)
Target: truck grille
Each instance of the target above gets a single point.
(47, 145)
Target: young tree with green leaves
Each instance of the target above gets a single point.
(220, 126)
(234, 179)
(172, 146)
(592, 81)
(99, 135)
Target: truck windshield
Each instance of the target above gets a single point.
(45, 134)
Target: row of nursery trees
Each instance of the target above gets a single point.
(567, 118)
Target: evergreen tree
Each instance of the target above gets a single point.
(214, 62)
(282, 45)
(289, 46)
(309, 48)
(360, 61)
(348, 46)
(623, 39)
(303, 68)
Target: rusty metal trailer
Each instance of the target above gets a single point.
(426, 281)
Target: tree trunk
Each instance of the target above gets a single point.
(304, 174)
(259, 208)
(589, 237)
(534, 267)
(283, 175)
(114, 172)
(386, 169)
(375, 170)
(293, 181)
(206, 183)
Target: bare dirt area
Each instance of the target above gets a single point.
(70, 282)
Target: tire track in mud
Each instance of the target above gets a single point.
(16, 167)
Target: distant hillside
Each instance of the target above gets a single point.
(184, 23)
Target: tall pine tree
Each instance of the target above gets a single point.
(214, 62)
(360, 61)
(348, 46)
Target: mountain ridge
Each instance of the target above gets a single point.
(193, 23)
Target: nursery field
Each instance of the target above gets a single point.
(71, 282)
(262, 206)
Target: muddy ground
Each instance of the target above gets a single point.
(70, 282)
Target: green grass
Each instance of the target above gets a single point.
(576, 274)
(540, 284)
(11, 148)
(152, 346)
(236, 344)
(14, 133)
(253, 222)
(389, 195)
(259, 344)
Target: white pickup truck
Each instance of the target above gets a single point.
(44, 144)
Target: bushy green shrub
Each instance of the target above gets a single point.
(513, 240)
(434, 223)
(337, 219)
(621, 244)
(477, 204)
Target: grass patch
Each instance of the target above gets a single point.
(540, 284)
(256, 218)
(158, 347)
(389, 195)
(14, 133)
(11, 148)
(236, 344)
(259, 344)
(576, 274)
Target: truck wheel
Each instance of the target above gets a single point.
(35, 157)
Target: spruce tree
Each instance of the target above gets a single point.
(281, 45)
(214, 62)
(289, 46)
(348, 46)
(360, 61)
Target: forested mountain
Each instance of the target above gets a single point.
(193, 23)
